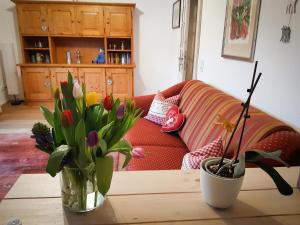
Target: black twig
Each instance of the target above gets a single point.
(246, 116)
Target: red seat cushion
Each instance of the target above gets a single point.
(148, 133)
(159, 158)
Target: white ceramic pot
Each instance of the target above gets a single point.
(219, 192)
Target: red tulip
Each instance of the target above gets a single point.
(138, 153)
(66, 118)
(108, 103)
(64, 83)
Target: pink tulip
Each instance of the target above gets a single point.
(138, 153)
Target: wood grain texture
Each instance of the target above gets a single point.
(157, 182)
(122, 83)
(90, 20)
(36, 83)
(94, 80)
(82, 65)
(152, 208)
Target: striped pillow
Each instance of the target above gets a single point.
(159, 108)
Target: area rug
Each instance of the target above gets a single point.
(18, 155)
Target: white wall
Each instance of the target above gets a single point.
(3, 97)
(156, 43)
(278, 91)
(9, 33)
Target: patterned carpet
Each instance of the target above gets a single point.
(18, 155)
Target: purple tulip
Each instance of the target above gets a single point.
(120, 112)
(92, 139)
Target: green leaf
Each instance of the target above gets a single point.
(48, 115)
(83, 101)
(239, 169)
(283, 187)
(80, 132)
(104, 130)
(59, 137)
(254, 155)
(103, 146)
(121, 146)
(56, 157)
(128, 157)
(104, 172)
(68, 99)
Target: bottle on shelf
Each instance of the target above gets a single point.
(69, 57)
(77, 57)
(47, 58)
(123, 59)
(117, 58)
(128, 58)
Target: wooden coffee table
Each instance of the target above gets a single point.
(155, 197)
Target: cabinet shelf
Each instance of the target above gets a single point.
(118, 50)
(37, 49)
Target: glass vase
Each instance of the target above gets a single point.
(78, 193)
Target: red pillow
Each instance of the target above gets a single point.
(159, 108)
(174, 120)
(193, 160)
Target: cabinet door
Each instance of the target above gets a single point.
(119, 83)
(61, 74)
(36, 84)
(90, 20)
(118, 21)
(32, 19)
(61, 19)
(94, 79)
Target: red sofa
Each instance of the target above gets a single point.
(201, 103)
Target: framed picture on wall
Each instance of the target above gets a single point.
(176, 14)
(240, 29)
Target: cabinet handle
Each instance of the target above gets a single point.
(109, 82)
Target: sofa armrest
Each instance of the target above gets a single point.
(286, 141)
(144, 102)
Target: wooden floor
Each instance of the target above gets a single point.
(19, 119)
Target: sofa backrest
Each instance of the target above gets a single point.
(201, 104)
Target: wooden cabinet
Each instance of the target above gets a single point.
(119, 83)
(90, 20)
(52, 30)
(32, 19)
(36, 83)
(61, 19)
(61, 74)
(118, 21)
(94, 80)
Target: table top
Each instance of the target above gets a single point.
(155, 197)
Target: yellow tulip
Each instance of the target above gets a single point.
(91, 98)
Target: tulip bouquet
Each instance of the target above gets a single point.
(83, 137)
